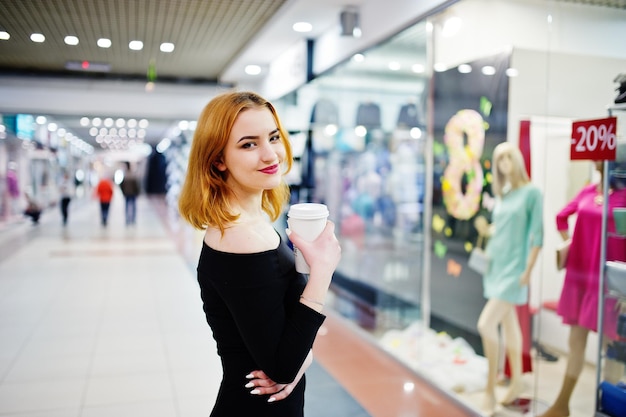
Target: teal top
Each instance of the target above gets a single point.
(518, 221)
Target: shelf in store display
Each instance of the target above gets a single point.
(616, 277)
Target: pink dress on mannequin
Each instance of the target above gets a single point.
(578, 304)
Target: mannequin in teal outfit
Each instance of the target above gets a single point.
(515, 239)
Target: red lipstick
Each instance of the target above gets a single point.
(273, 169)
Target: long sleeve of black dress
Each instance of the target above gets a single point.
(251, 302)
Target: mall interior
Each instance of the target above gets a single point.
(393, 115)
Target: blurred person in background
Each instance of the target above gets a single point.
(104, 192)
(130, 189)
(33, 209)
(66, 191)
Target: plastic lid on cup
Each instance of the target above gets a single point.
(308, 211)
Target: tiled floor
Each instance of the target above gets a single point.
(108, 322)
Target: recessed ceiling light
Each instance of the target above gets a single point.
(418, 68)
(167, 47)
(4, 36)
(135, 45)
(37, 37)
(71, 40)
(253, 69)
(465, 68)
(104, 43)
(488, 70)
(512, 72)
(358, 57)
(302, 27)
(394, 66)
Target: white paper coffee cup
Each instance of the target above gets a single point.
(307, 220)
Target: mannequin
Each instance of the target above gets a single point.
(578, 304)
(515, 239)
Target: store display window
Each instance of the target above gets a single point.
(406, 166)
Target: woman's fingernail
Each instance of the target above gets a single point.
(288, 231)
(249, 376)
(255, 391)
(249, 384)
(271, 400)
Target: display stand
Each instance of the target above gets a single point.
(610, 398)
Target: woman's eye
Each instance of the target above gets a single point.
(248, 145)
(275, 138)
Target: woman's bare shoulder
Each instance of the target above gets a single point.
(243, 238)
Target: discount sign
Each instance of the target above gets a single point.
(594, 139)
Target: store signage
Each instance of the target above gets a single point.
(594, 139)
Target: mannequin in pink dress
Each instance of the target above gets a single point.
(578, 305)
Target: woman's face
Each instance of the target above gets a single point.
(253, 156)
(505, 164)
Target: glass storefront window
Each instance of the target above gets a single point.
(366, 161)
(401, 149)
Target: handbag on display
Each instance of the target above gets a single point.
(561, 254)
(479, 261)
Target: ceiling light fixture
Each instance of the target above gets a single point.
(167, 47)
(4, 36)
(252, 69)
(71, 40)
(302, 27)
(394, 66)
(37, 37)
(358, 57)
(418, 68)
(512, 72)
(104, 43)
(488, 70)
(465, 68)
(135, 45)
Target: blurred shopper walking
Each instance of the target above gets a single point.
(130, 189)
(66, 191)
(104, 191)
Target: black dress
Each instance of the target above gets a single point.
(252, 305)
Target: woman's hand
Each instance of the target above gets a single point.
(322, 254)
(264, 385)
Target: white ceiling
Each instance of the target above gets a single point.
(214, 41)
